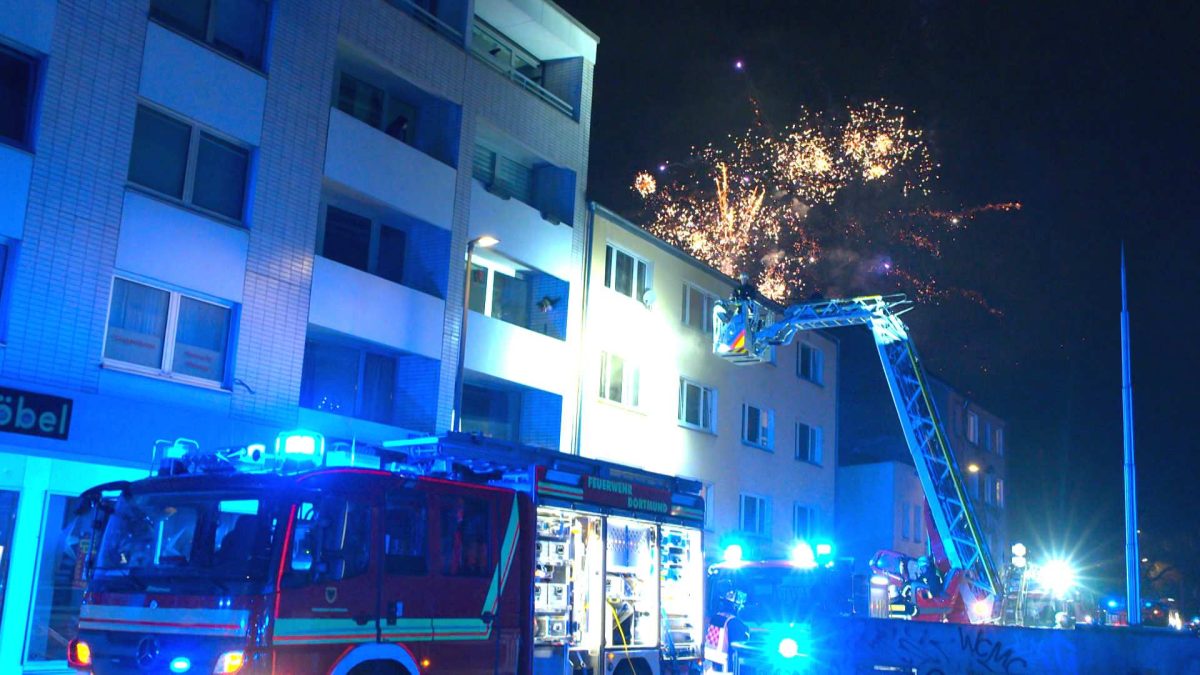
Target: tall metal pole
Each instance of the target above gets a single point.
(462, 341)
(1132, 559)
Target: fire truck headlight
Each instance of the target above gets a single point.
(180, 664)
(229, 662)
(79, 654)
(788, 648)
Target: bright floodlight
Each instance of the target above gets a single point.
(788, 648)
(1018, 549)
(733, 553)
(1057, 576)
(803, 556)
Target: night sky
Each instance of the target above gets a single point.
(1085, 113)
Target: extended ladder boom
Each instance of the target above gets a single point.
(742, 334)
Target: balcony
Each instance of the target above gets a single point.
(444, 18)
(525, 234)
(370, 162)
(355, 303)
(502, 350)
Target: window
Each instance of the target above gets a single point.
(466, 537)
(405, 538)
(905, 527)
(698, 308)
(918, 525)
(804, 520)
(999, 499)
(758, 426)
(376, 107)
(696, 405)
(972, 427)
(502, 175)
(346, 379)
(18, 84)
(167, 332)
(808, 444)
(754, 514)
(58, 587)
(987, 436)
(619, 380)
(998, 443)
(989, 490)
(236, 28)
(312, 533)
(363, 244)
(626, 274)
(810, 364)
(175, 159)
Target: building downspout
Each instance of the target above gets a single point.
(587, 284)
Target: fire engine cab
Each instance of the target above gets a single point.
(435, 555)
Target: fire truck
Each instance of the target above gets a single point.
(968, 586)
(433, 555)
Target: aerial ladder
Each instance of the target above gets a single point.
(745, 331)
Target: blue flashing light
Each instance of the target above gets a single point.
(301, 445)
(733, 553)
(180, 664)
(824, 549)
(1112, 604)
(788, 648)
(803, 555)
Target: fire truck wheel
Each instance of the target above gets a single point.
(379, 668)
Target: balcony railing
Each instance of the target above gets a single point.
(507, 58)
(424, 16)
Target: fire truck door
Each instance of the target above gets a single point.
(406, 576)
(476, 608)
(329, 591)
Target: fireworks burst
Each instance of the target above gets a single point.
(819, 207)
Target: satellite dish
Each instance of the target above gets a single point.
(649, 297)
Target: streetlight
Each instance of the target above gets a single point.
(482, 241)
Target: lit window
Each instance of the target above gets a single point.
(754, 514)
(999, 501)
(697, 308)
(758, 427)
(626, 274)
(519, 295)
(18, 83)
(803, 521)
(167, 333)
(810, 364)
(236, 28)
(972, 427)
(363, 244)
(808, 444)
(619, 380)
(696, 405)
(215, 178)
(349, 379)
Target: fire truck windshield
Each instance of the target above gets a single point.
(186, 537)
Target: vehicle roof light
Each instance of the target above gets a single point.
(300, 445)
(803, 556)
(733, 553)
(824, 549)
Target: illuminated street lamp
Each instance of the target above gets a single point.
(482, 241)
(973, 467)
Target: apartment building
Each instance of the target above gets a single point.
(762, 439)
(880, 502)
(222, 219)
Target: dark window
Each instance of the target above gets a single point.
(810, 364)
(360, 100)
(234, 27)
(405, 538)
(215, 181)
(18, 78)
(389, 262)
(347, 238)
(466, 537)
(348, 380)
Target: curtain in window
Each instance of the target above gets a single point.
(201, 340)
(137, 324)
(379, 387)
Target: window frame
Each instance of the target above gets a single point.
(35, 72)
(767, 444)
(375, 237)
(630, 386)
(170, 334)
(709, 300)
(186, 200)
(810, 515)
(815, 363)
(972, 427)
(610, 272)
(259, 65)
(762, 513)
(814, 438)
(706, 393)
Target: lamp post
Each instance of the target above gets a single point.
(482, 241)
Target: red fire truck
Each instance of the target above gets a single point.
(438, 555)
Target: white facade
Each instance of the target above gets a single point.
(222, 236)
(688, 413)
